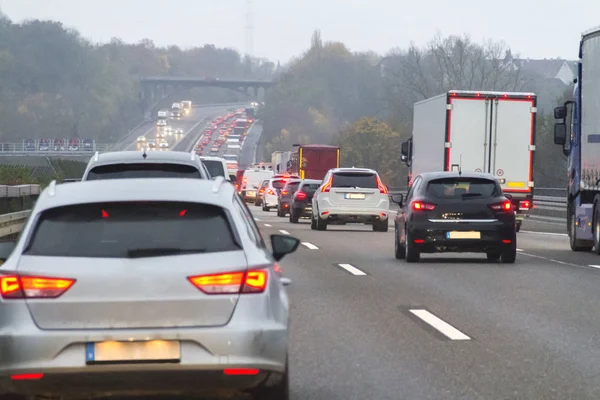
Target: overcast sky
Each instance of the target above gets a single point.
(282, 28)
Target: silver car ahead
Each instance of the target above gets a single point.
(133, 287)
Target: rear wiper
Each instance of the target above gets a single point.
(467, 195)
(160, 251)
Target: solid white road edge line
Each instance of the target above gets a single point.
(545, 233)
(445, 328)
(284, 232)
(352, 269)
(553, 260)
(310, 245)
(594, 266)
(519, 249)
(268, 225)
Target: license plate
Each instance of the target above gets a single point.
(251, 193)
(354, 196)
(154, 350)
(463, 235)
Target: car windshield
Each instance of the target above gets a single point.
(355, 180)
(449, 188)
(132, 229)
(215, 168)
(145, 170)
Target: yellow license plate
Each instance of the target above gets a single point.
(153, 350)
(463, 235)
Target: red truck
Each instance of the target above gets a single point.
(312, 161)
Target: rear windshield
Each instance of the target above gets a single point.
(355, 179)
(215, 168)
(279, 184)
(230, 157)
(132, 229)
(145, 170)
(449, 188)
(309, 188)
(293, 186)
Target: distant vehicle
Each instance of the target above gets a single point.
(179, 131)
(454, 212)
(312, 161)
(74, 144)
(251, 181)
(44, 145)
(301, 204)
(141, 139)
(163, 117)
(29, 144)
(176, 110)
(168, 130)
(187, 107)
(241, 127)
(285, 198)
(351, 195)
(214, 150)
(88, 144)
(216, 167)
(59, 144)
(164, 145)
(151, 144)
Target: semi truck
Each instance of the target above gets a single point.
(176, 110)
(312, 161)
(490, 132)
(187, 107)
(162, 118)
(280, 160)
(578, 132)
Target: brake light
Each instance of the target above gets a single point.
(421, 206)
(252, 281)
(300, 195)
(327, 186)
(261, 190)
(504, 206)
(271, 192)
(381, 186)
(26, 377)
(525, 205)
(284, 192)
(241, 371)
(33, 287)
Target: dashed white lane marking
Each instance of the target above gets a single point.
(594, 266)
(310, 245)
(352, 269)
(256, 219)
(519, 249)
(553, 260)
(545, 233)
(284, 232)
(445, 328)
(268, 225)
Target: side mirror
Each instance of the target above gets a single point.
(403, 158)
(286, 281)
(6, 248)
(560, 112)
(560, 134)
(398, 199)
(404, 150)
(282, 245)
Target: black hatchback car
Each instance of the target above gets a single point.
(455, 212)
(301, 203)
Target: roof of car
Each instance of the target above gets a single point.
(428, 176)
(166, 157)
(354, 170)
(309, 181)
(217, 192)
(209, 158)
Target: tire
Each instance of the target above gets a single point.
(573, 242)
(264, 207)
(281, 391)
(293, 218)
(381, 226)
(509, 256)
(399, 249)
(313, 223)
(493, 256)
(518, 226)
(321, 224)
(280, 212)
(596, 226)
(412, 254)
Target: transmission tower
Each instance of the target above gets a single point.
(249, 28)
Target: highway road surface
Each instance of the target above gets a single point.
(367, 326)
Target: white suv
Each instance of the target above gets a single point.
(351, 195)
(273, 190)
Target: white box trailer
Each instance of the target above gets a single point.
(492, 132)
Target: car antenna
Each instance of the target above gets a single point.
(144, 154)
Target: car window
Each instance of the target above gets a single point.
(355, 179)
(246, 215)
(278, 184)
(143, 170)
(292, 186)
(214, 167)
(449, 188)
(310, 188)
(125, 229)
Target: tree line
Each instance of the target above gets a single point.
(54, 83)
(363, 102)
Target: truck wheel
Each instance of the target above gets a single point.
(573, 242)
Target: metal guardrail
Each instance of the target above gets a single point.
(13, 223)
(20, 150)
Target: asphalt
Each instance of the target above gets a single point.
(374, 328)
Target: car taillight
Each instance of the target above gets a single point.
(327, 186)
(525, 205)
(300, 195)
(381, 186)
(271, 192)
(284, 192)
(251, 281)
(33, 287)
(504, 206)
(421, 206)
(261, 191)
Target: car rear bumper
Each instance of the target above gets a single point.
(339, 214)
(271, 201)
(430, 237)
(248, 194)
(302, 210)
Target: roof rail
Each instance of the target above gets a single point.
(96, 156)
(52, 188)
(218, 184)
